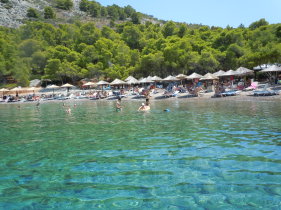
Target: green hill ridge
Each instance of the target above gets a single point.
(69, 49)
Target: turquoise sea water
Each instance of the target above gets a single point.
(203, 154)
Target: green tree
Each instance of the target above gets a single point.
(49, 13)
(38, 63)
(32, 13)
(95, 70)
(169, 29)
(94, 9)
(64, 4)
(207, 62)
(129, 10)
(71, 71)
(53, 69)
(152, 64)
(257, 24)
(83, 6)
(113, 12)
(29, 46)
(89, 34)
(136, 18)
(21, 72)
(132, 36)
(182, 30)
(103, 12)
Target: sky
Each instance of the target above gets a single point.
(207, 12)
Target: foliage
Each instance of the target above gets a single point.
(114, 12)
(259, 23)
(49, 13)
(69, 52)
(32, 13)
(64, 4)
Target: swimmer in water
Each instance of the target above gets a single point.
(118, 104)
(144, 107)
(68, 110)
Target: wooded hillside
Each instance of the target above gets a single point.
(69, 52)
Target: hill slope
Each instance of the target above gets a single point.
(13, 13)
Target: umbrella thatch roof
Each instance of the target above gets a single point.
(194, 76)
(53, 86)
(16, 89)
(156, 78)
(33, 88)
(102, 83)
(4, 89)
(67, 85)
(145, 80)
(129, 78)
(89, 84)
(219, 73)
(243, 71)
(133, 81)
(273, 68)
(209, 76)
(118, 82)
(230, 73)
(181, 76)
(170, 78)
(35, 83)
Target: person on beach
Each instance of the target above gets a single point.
(118, 105)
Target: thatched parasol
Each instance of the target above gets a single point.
(243, 71)
(118, 82)
(194, 76)
(219, 73)
(170, 79)
(209, 76)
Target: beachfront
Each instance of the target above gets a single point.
(48, 95)
(218, 84)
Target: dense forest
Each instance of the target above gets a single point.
(70, 52)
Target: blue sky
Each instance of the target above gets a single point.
(207, 12)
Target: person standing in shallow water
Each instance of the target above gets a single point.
(145, 106)
(118, 105)
(147, 102)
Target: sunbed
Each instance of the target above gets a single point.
(264, 91)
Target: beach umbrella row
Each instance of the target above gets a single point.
(273, 68)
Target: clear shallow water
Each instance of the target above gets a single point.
(210, 154)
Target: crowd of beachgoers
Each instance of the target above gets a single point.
(219, 84)
(152, 91)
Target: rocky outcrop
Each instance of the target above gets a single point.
(13, 13)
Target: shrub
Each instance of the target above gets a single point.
(64, 4)
(32, 13)
(49, 13)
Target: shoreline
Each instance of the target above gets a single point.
(243, 96)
